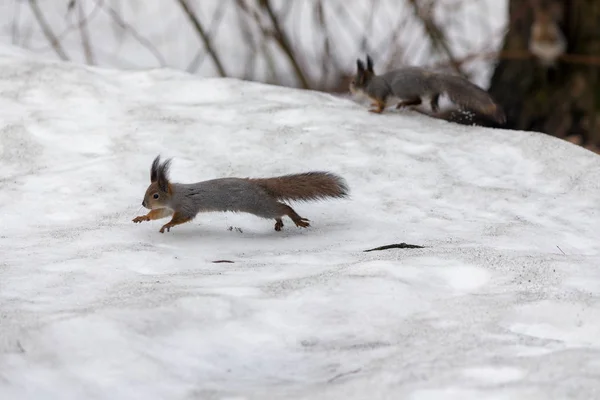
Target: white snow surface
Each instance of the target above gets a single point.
(503, 302)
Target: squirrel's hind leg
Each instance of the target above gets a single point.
(289, 211)
(406, 103)
(435, 103)
(278, 224)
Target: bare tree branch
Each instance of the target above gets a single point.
(272, 75)
(78, 25)
(85, 37)
(435, 34)
(327, 60)
(47, 31)
(205, 38)
(125, 26)
(15, 24)
(283, 42)
(579, 59)
(243, 17)
(214, 25)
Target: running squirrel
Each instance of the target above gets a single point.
(409, 85)
(261, 197)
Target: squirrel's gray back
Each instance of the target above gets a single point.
(223, 194)
(411, 82)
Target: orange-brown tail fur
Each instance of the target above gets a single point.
(305, 187)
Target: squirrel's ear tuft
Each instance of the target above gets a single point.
(154, 169)
(369, 63)
(163, 175)
(360, 66)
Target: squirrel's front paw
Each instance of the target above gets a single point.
(141, 218)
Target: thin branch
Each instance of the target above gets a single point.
(364, 43)
(15, 24)
(72, 27)
(205, 38)
(346, 23)
(243, 16)
(391, 42)
(283, 42)
(47, 31)
(326, 62)
(214, 25)
(85, 37)
(125, 26)
(26, 35)
(263, 46)
(435, 34)
(580, 59)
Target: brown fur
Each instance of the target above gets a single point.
(379, 106)
(177, 219)
(304, 187)
(297, 219)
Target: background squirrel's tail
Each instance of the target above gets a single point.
(306, 186)
(470, 96)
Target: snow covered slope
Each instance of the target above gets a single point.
(502, 303)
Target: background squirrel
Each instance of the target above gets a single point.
(547, 42)
(255, 196)
(409, 85)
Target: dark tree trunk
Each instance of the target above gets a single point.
(560, 101)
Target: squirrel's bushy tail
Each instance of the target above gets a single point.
(468, 95)
(305, 187)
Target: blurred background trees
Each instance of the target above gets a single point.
(302, 43)
(314, 44)
(548, 74)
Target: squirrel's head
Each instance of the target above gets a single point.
(363, 76)
(159, 192)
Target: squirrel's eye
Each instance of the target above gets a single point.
(155, 196)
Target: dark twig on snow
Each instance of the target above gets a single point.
(343, 374)
(396, 246)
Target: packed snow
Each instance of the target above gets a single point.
(503, 301)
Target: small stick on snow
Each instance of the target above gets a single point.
(396, 246)
(560, 250)
(338, 376)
